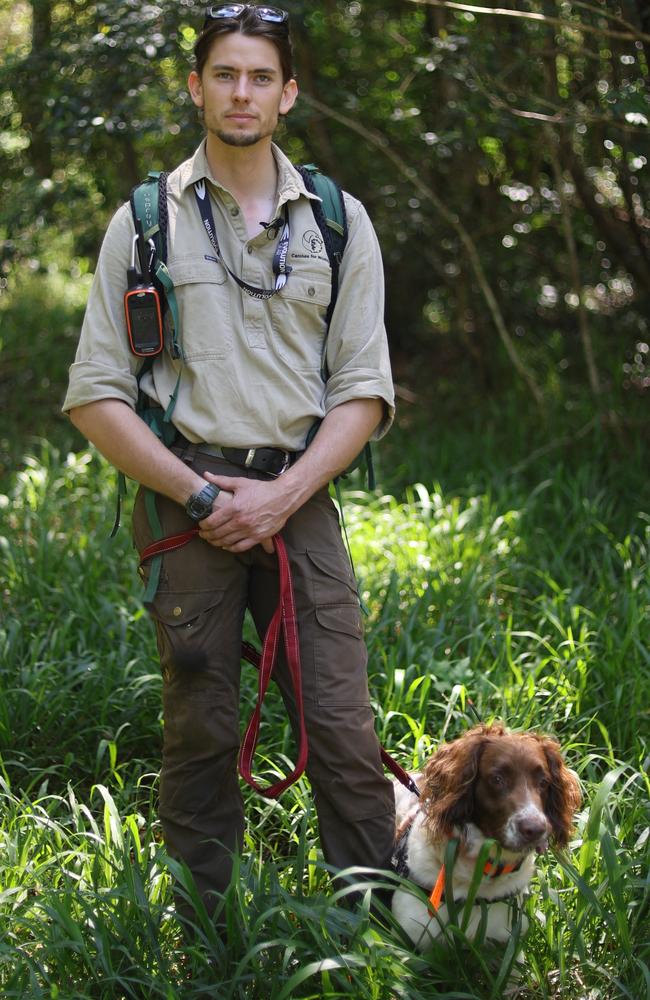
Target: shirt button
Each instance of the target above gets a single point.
(177, 611)
(250, 249)
(234, 210)
(311, 290)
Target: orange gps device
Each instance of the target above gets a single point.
(144, 320)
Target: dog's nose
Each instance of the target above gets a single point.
(532, 828)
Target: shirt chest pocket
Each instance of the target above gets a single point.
(203, 297)
(298, 317)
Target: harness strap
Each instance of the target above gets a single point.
(156, 528)
(437, 892)
(491, 869)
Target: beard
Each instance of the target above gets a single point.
(235, 137)
(239, 139)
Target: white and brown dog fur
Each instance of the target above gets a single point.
(512, 788)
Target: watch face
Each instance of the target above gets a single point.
(200, 504)
(200, 508)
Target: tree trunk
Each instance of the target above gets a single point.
(31, 95)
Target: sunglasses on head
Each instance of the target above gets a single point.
(272, 15)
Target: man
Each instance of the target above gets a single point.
(250, 380)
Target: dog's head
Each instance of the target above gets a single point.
(515, 787)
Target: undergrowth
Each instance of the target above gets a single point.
(522, 596)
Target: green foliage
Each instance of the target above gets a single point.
(526, 136)
(39, 329)
(527, 601)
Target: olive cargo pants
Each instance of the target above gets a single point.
(198, 613)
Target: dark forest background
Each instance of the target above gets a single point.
(502, 155)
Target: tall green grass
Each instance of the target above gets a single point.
(521, 595)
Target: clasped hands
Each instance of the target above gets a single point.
(246, 513)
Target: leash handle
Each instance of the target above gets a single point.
(282, 623)
(167, 544)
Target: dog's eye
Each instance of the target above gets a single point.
(543, 783)
(497, 780)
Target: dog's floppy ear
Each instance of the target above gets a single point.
(563, 797)
(448, 782)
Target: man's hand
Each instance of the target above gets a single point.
(248, 514)
(260, 509)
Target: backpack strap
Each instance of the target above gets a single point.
(145, 206)
(331, 219)
(148, 202)
(149, 206)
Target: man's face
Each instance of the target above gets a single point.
(241, 90)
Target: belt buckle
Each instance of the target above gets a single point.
(285, 464)
(248, 461)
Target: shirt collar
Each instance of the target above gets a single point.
(290, 184)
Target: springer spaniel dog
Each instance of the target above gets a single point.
(513, 789)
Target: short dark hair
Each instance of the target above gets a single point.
(248, 24)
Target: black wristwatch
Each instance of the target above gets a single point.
(199, 505)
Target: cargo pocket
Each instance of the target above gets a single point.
(190, 635)
(332, 577)
(340, 656)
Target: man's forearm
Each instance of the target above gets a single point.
(341, 436)
(255, 510)
(126, 441)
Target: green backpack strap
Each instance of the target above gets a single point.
(332, 221)
(145, 206)
(149, 206)
(332, 204)
(148, 202)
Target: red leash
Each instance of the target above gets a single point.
(283, 623)
(398, 771)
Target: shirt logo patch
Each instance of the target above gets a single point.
(313, 242)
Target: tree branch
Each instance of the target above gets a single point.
(574, 267)
(543, 19)
(380, 142)
(601, 12)
(563, 442)
(560, 116)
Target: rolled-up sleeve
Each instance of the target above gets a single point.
(357, 348)
(104, 367)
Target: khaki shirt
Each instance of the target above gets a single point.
(251, 374)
